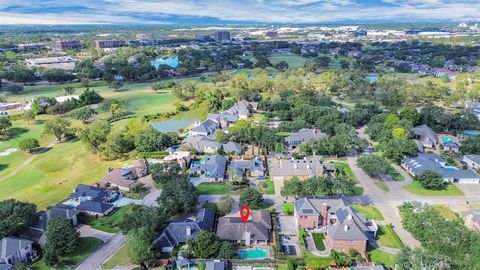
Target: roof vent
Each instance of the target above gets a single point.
(345, 228)
(349, 217)
(188, 231)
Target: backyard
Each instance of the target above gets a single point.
(318, 240)
(86, 247)
(270, 188)
(213, 188)
(368, 211)
(416, 188)
(380, 257)
(345, 167)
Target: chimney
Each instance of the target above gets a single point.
(324, 214)
(188, 231)
(248, 238)
(109, 169)
(349, 217)
(295, 166)
(345, 228)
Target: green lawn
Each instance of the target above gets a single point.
(380, 257)
(368, 211)
(416, 188)
(382, 186)
(396, 175)
(287, 209)
(86, 247)
(387, 237)
(302, 233)
(270, 190)
(446, 212)
(294, 61)
(314, 262)
(318, 240)
(346, 168)
(213, 188)
(109, 223)
(119, 258)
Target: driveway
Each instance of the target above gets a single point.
(106, 250)
(87, 231)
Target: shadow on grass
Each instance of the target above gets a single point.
(3, 167)
(13, 133)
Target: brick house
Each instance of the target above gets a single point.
(346, 229)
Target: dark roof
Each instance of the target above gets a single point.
(474, 158)
(4, 266)
(121, 177)
(10, 245)
(206, 219)
(215, 265)
(94, 193)
(433, 162)
(305, 135)
(58, 211)
(94, 207)
(233, 228)
(213, 167)
(232, 147)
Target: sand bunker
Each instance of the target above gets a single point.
(8, 152)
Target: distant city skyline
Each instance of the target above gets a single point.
(230, 11)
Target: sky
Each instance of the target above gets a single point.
(233, 11)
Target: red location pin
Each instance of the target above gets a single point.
(244, 213)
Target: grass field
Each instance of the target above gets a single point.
(416, 188)
(318, 240)
(387, 237)
(119, 258)
(213, 188)
(294, 61)
(368, 211)
(446, 212)
(52, 176)
(346, 168)
(86, 247)
(380, 257)
(109, 223)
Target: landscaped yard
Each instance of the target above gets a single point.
(380, 257)
(446, 212)
(270, 190)
(86, 247)
(368, 211)
(109, 223)
(293, 61)
(387, 237)
(315, 262)
(213, 188)
(318, 240)
(118, 259)
(416, 188)
(287, 209)
(346, 168)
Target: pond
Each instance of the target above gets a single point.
(169, 61)
(181, 120)
(372, 77)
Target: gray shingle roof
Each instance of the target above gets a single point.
(201, 143)
(58, 211)
(213, 167)
(425, 134)
(94, 207)
(433, 162)
(240, 167)
(313, 205)
(474, 158)
(233, 228)
(232, 147)
(208, 126)
(10, 245)
(215, 265)
(4, 266)
(310, 167)
(304, 135)
(89, 191)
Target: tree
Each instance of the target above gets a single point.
(28, 116)
(224, 206)
(251, 197)
(395, 149)
(164, 172)
(15, 89)
(420, 259)
(61, 239)
(471, 146)
(69, 90)
(399, 133)
(95, 135)
(4, 124)
(220, 136)
(138, 243)
(114, 107)
(151, 140)
(205, 245)
(90, 97)
(178, 196)
(430, 180)
(57, 127)
(29, 144)
(374, 165)
(227, 251)
(83, 114)
(116, 85)
(281, 66)
(19, 214)
(142, 216)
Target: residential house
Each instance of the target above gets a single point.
(243, 168)
(474, 107)
(304, 135)
(92, 201)
(123, 179)
(242, 109)
(205, 128)
(472, 161)
(181, 157)
(215, 265)
(257, 230)
(426, 136)
(212, 169)
(224, 119)
(140, 166)
(14, 250)
(285, 169)
(180, 232)
(202, 144)
(346, 228)
(36, 231)
(420, 163)
(472, 219)
(232, 148)
(451, 146)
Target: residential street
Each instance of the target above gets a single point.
(95, 260)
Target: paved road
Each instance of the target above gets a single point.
(87, 231)
(110, 247)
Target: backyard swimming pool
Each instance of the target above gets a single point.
(451, 168)
(258, 253)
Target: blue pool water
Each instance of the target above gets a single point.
(170, 61)
(472, 132)
(372, 77)
(446, 140)
(450, 168)
(258, 253)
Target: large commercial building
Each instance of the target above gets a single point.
(106, 44)
(221, 36)
(68, 44)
